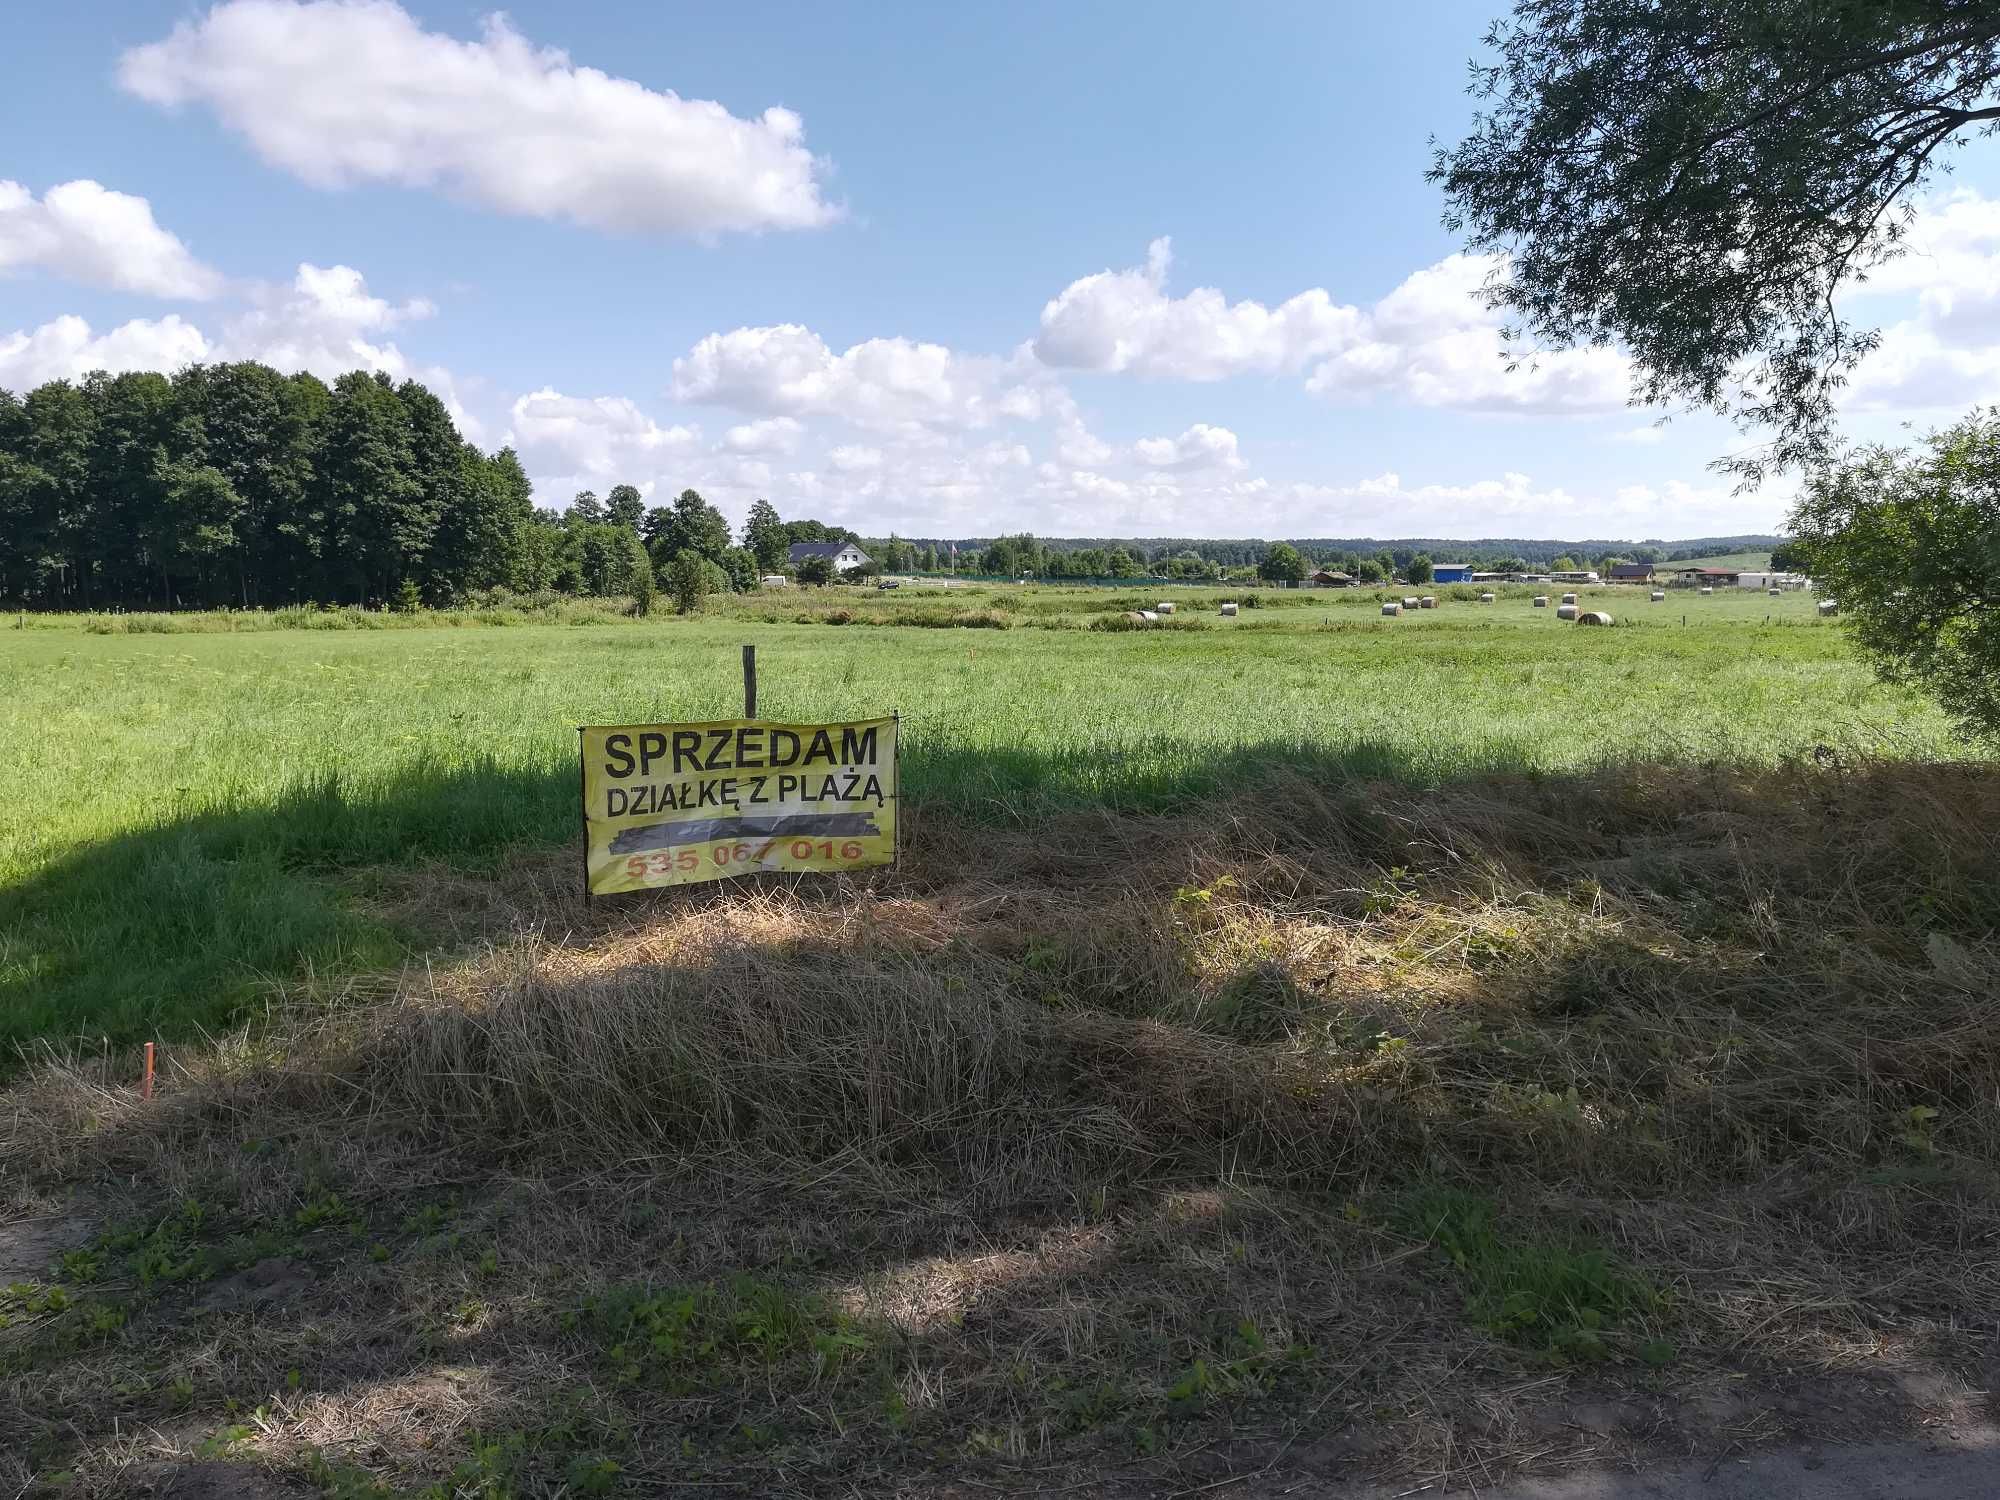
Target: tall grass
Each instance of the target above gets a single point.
(188, 815)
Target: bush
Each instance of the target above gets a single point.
(1908, 542)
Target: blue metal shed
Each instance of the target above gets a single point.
(1451, 572)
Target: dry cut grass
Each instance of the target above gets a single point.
(1335, 1126)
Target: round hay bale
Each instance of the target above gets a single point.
(1149, 616)
(1828, 607)
(1486, 598)
(1569, 598)
(1229, 610)
(1429, 601)
(1706, 589)
(1132, 616)
(1593, 617)
(1659, 596)
(1164, 607)
(1565, 611)
(1392, 608)
(1411, 601)
(1775, 593)
(1541, 601)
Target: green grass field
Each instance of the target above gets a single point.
(190, 811)
(1296, 1024)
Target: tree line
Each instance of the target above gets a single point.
(234, 485)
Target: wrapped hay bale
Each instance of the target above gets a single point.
(1775, 593)
(1659, 596)
(1411, 601)
(1164, 607)
(1569, 598)
(1486, 598)
(1133, 617)
(1593, 617)
(1706, 589)
(1429, 601)
(1541, 601)
(1565, 611)
(1149, 616)
(1828, 607)
(1229, 610)
(1392, 608)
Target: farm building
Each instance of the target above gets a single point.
(1713, 577)
(1771, 580)
(1451, 572)
(1575, 575)
(1632, 573)
(1330, 578)
(844, 556)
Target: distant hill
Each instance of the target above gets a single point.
(1754, 560)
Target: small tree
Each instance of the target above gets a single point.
(1369, 571)
(1420, 568)
(813, 570)
(639, 576)
(1282, 564)
(688, 581)
(1788, 557)
(1909, 543)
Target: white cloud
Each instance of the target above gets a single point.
(1200, 447)
(885, 384)
(65, 349)
(88, 233)
(1646, 434)
(594, 441)
(1946, 354)
(1431, 342)
(771, 435)
(1125, 321)
(325, 321)
(340, 92)
(853, 458)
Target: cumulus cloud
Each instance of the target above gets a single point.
(88, 233)
(882, 383)
(66, 349)
(854, 458)
(771, 435)
(326, 321)
(1200, 447)
(596, 440)
(1125, 321)
(1432, 341)
(1946, 354)
(340, 92)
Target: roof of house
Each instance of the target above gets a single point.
(1332, 573)
(1632, 570)
(801, 550)
(1711, 572)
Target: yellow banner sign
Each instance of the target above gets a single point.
(672, 804)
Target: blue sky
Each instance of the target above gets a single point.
(1078, 269)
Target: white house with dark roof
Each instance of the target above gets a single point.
(844, 556)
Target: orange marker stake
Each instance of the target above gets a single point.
(146, 1087)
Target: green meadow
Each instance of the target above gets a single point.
(197, 804)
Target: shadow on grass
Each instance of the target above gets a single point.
(184, 926)
(1092, 1143)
